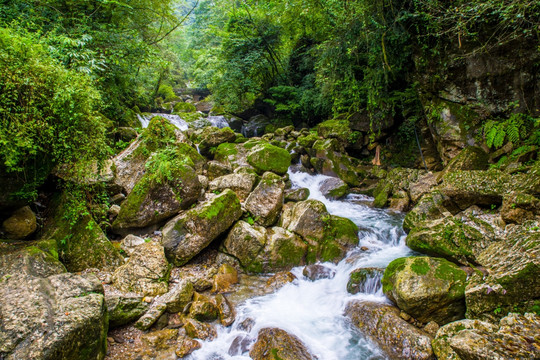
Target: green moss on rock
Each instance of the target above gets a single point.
(266, 157)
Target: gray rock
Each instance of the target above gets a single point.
(266, 201)
(333, 188)
(296, 194)
(124, 309)
(130, 243)
(241, 184)
(280, 344)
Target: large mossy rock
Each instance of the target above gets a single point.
(396, 185)
(62, 316)
(515, 337)
(266, 201)
(193, 230)
(266, 157)
(428, 289)
(470, 158)
(157, 197)
(513, 268)
(335, 129)
(518, 207)
(36, 258)
(124, 309)
(429, 207)
(328, 158)
(241, 184)
(146, 272)
(20, 224)
(81, 242)
(382, 324)
(211, 137)
(329, 237)
(274, 343)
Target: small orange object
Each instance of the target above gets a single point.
(67, 313)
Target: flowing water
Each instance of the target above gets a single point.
(173, 119)
(313, 310)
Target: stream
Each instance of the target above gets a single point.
(313, 310)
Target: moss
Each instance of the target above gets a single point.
(330, 251)
(381, 194)
(338, 129)
(420, 266)
(449, 272)
(219, 206)
(389, 273)
(225, 150)
(184, 107)
(268, 157)
(341, 229)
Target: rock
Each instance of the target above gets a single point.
(37, 258)
(334, 188)
(190, 232)
(429, 207)
(241, 184)
(211, 137)
(160, 344)
(274, 343)
(203, 308)
(470, 158)
(233, 156)
(199, 330)
(151, 316)
(57, 317)
(421, 187)
(158, 196)
(186, 346)
(518, 207)
(226, 313)
(266, 201)
(382, 323)
(335, 129)
(431, 328)
(217, 169)
(21, 224)
(178, 297)
(113, 211)
(397, 185)
(81, 242)
(226, 276)
(146, 271)
(240, 345)
(296, 194)
(126, 134)
(279, 280)
(365, 280)
(317, 272)
(130, 243)
(308, 140)
(255, 126)
(513, 272)
(428, 289)
(516, 337)
(244, 242)
(328, 158)
(265, 157)
(124, 309)
(283, 250)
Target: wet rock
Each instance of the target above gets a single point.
(203, 308)
(130, 243)
(365, 280)
(146, 271)
(186, 346)
(428, 289)
(265, 157)
(57, 317)
(266, 201)
(516, 337)
(275, 343)
(317, 272)
(211, 137)
(382, 323)
(283, 250)
(81, 242)
(199, 330)
(151, 316)
(396, 185)
(178, 297)
(279, 280)
(20, 225)
(328, 158)
(241, 184)
(296, 194)
(225, 278)
(244, 242)
(159, 344)
(240, 345)
(226, 313)
(124, 309)
(255, 126)
(190, 232)
(429, 207)
(334, 188)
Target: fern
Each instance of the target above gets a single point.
(517, 128)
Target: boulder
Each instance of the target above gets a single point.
(244, 242)
(317, 272)
(518, 207)
(428, 289)
(151, 316)
(81, 242)
(124, 309)
(383, 325)
(178, 298)
(396, 185)
(160, 344)
(193, 230)
(21, 224)
(515, 337)
(203, 308)
(328, 158)
(198, 330)
(130, 243)
(274, 343)
(36, 258)
(241, 184)
(255, 126)
(279, 280)
(265, 202)
(470, 158)
(334, 188)
(225, 278)
(216, 169)
(211, 137)
(61, 316)
(146, 272)
(429, 207)
(232, 156)
(265, 157)
(365, 280)
(186, 346)
(296, 194)
(226, 313)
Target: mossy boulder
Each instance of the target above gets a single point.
(395, 185)
(429, 207)
(266, 157)
(328, 158)
(366, 280)
(184, 107)
(241, 184)
(146, 272)
(35, 258)
(428, 289)
(81, 242)
(21, 224)
(265, 202)
(158, 196)
(296, 194)
(203, 308)
(513, 268)
(518, 207)
(470, 158)
(193, 230)
(334, 188)
(256, 126)
(335, 129)
(274, 343)
(308, 140)
(245, 242)
(211, 137)
(124, 309)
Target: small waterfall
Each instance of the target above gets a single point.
(173, 119)
(218, 121)
(313, 310)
